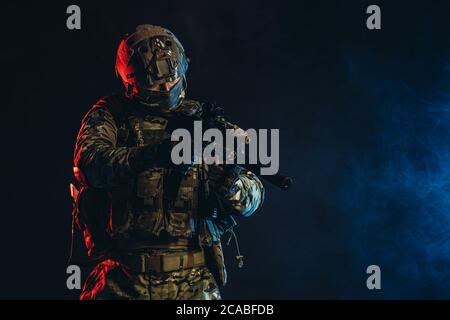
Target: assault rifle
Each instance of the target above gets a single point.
(212, 117)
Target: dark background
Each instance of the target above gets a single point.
(363, 118)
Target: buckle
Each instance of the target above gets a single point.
(171, 262)
(167, 263)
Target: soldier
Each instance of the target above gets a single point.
(157, 237)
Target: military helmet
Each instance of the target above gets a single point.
(151, 55)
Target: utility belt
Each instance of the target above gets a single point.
(166, 262)
(155, 245)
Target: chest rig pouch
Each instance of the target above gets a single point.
(152, 213)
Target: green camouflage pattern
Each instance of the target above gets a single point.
(110, 280)
(114, 153)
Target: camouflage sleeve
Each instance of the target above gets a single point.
(242, 193)
(96, 154)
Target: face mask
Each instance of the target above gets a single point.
(161, 99)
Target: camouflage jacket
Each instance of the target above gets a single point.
(115, 157)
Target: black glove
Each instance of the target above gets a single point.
(221, 178)
(216, 175)
(152, 155)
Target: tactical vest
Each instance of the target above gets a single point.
(147, 213)
(136, 209)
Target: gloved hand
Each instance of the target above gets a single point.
(222, 178)
(216, 175)
(152, 155)
(162, 153)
